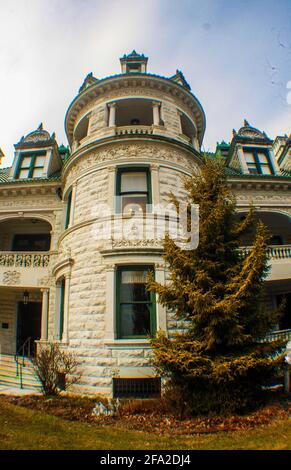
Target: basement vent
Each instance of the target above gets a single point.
(136, 388)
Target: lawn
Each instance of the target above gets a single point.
(26, 429)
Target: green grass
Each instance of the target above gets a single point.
(25, 429)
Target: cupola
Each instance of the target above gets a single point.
(133, 63)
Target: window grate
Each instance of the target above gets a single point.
(136, 388)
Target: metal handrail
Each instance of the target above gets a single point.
(21, 364)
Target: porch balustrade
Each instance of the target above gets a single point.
(24, 260)
(275, 252)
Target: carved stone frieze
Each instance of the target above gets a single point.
(11, 278)
(115, 153)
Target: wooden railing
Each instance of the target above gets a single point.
(274, 251)
(10, 259)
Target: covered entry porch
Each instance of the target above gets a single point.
(23, 319)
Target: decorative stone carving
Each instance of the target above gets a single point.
(45, 281)
(137, 243)
(161, 153)
(11, 278)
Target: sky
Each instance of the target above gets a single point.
(235, 54)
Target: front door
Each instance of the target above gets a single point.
(28, 325)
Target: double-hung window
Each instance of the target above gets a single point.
(258, 161)
(133, 190)
(135, 305)
(31, 166)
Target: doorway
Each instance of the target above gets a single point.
(28, 326)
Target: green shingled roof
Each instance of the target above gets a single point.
(4, 173)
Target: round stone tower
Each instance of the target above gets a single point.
(133, 138)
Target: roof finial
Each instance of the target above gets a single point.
(40, 127)
(246, 124)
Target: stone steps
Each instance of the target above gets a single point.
(9, 377)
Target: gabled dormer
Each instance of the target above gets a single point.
(282, 152)
(251, 152)
(133, 63)
(36, 156)
(88, 81)
(1, 156)
(180, 79)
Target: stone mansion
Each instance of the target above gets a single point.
(132, 138)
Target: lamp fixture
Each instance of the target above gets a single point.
(25, 297)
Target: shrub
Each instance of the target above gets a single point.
(55, 368)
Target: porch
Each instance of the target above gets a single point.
(25, 252)
(23, 319)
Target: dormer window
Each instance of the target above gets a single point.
(31, 166)
(258, 161)
(133, 68)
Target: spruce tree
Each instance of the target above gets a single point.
(217, 361)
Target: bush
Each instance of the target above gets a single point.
(56, 369)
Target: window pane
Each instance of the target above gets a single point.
(262, 157)
(25, 163)
(40, 160)
(133, 202)
(250, 158)
(266, 170)
(135, 320)
(133, 181)
(37, 172)
(133, 287)
(23, 174)
(253, 170)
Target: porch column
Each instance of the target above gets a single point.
(112, 114)
(156, 113)
(44, 314)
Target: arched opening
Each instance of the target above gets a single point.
(187, 127)
(279, 226)
(134, 112)
(25, 235)
(277, 288)
(81, 130)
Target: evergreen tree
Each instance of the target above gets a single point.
(218, 361)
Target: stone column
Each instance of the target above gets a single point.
(161, 311)
(156, 113)
(112, 114)
(57, 313)
(111, 189)
(179, 113)
(65, 337)
(155, 184)
(110, 320)
(44, 314)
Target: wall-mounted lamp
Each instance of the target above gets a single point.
(25, 297)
